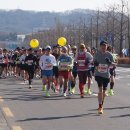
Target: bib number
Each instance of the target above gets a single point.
(102, 68)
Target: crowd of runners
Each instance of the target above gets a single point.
(60, 67)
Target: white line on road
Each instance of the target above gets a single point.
(16, 128)
(7, 112)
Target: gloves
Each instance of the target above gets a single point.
(108, 60)
(96, 63)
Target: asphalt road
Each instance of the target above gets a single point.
(26, 109)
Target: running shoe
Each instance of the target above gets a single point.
(111, 92)
(82, 95)
(107, 93)
(100, 110)
(73, 90)
(89, 91)
(47, 94)
(30, 86)
(64, 94)
(85, 90)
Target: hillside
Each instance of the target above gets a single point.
(21, 21)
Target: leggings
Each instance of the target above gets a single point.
(30, 71)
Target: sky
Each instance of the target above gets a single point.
(56, 5)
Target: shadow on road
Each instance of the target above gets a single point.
(59, 117)
(127, 115)
(112, 108)
(34, 94)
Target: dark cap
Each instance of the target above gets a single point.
(43, 49)
(103, 43)
(30, 49)
(24, 49)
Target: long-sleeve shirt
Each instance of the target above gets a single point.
(65, 63)
(47, 62)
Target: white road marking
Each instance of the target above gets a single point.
(7, 112)
(16, 128)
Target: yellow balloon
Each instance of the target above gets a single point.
(62, 41)
(34, 43)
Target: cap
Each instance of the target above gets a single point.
(30, 49)
(43, 49)
(82, 45)
(24, 49)
(64, 48)
(74, 47)
(48, 48)
(103, 43)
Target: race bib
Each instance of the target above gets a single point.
(111, 67)
(81, 62)
(103, 68)
(64, 66)
(49, 66)
(30, 62)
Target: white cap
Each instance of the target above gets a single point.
(64, 48)
(48, 47)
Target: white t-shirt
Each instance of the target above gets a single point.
(47, 62)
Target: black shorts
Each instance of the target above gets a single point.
(74, 74)
(13, 64)
(93, 70)
(4, 65)
(9, 64)
(112, 72)
(102, 82)
(90, 73)
(83, 75)
(22, 66)
(55, 71)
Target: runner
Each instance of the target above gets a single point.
(65, 67)
(23, 65)
(102, 60)
(30, 61)
(83, 58)
(71, 83)
(89, 78)
(46, 63)
(112, 72)
(56, 53)
(38, 54)
(10, 54)
(74, 70)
